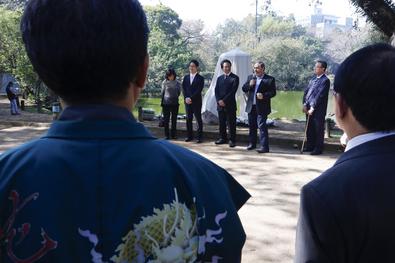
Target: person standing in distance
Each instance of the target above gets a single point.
(225, 95)
(192, 86)
(171, 90)
(259, 88)
(12, 96)
(315, 102)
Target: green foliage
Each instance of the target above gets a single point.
(13, 4)
(287, 50)
(273, 26)
(290, 60)
(379, 12)
(165, 46)
(13, 57)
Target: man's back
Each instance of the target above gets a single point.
(102, 177)
(348, 213)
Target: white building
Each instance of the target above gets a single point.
(321, 25)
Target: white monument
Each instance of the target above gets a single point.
(242, 67)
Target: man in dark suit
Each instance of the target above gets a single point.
(315, 102)
(192, 86)
(347, 214)
(225, 95)
(260, 88)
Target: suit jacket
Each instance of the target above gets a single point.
(267, 87)
(194, 90)
(316, 95)
(347, 214)
(98, 175)
(225, 89)
(10, 94)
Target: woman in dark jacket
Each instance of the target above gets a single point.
(171, 89)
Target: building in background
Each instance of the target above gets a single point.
(322, 25)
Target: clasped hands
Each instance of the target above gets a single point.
(188, 100)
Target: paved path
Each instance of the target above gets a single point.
(274, 180)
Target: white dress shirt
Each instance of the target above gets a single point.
(360, 139)
(258, 82)
(191, 77)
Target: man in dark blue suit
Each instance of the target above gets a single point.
(260, 88)
(225, 95)
(98, 187)
(192, 86)
(315, 102)
(347, 214)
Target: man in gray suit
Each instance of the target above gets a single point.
(260, 88)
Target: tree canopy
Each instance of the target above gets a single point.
(165, 46)
(379, 12)
(288, 50)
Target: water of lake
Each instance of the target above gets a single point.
(286, 104)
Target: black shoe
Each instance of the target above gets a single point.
(188, 139)
(262, 150)
(251, 147)
(232, 144)
(220, 141)
(174, 137)
(316, 153)
(199, 141)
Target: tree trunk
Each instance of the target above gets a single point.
(37, 96)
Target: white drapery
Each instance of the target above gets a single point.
(241, 66)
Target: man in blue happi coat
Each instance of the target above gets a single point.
(98, 187)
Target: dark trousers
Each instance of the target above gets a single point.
(191, 110)
(14, 106)
(315, 132)
(170, 111)
(258, 121)
(227, 117)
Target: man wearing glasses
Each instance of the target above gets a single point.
(315, 102)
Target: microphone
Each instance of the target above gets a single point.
(253, 78)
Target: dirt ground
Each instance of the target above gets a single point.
(274, 180)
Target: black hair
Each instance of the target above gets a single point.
(170, 72)
(323, 63)
(261, 64)
(366, 81)
(194, 61)
(225, 61)
(9, 84)
(86, 51)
